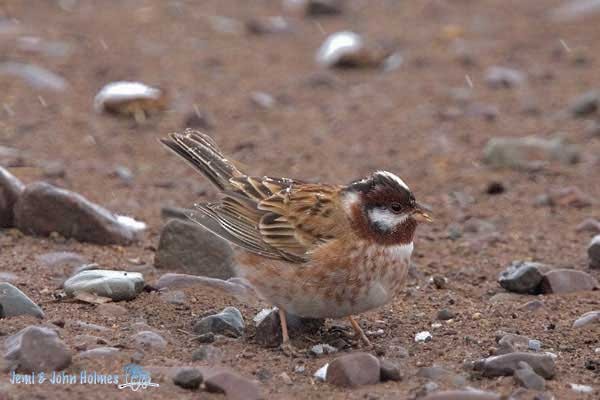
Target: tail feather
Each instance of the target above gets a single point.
(202, 152)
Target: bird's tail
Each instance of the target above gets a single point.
(201, 151)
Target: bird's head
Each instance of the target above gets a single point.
(382, 208)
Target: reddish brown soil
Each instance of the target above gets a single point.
(365, 120)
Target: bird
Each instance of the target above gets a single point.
(314, 250)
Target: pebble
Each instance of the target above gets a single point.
(423, 336)
(585, 104)
(570, 196)
(567, 281)
(321, 374)
(315, 8)
(10, 190)
(445, 314)
(510, 342)
(353, 369)
(99, 353)
(36, 348)
(526, 377)
(502, 77)
(589, 319)
(348, 49)
(262, 100)
(322, 349)
(14, 302)
(149, 340)
(189, 247)
(268, 25)
(463, 395)
(523, 277)
(594, 252)
(188, 378)
(35, 76)
(528, 153)
(43, 209)
(389, 371)
(581, 388)
(234, 386)
(227, 322)
(495, 188)
(534, 345)
(133, 99)
(117, 285)
(506, 364)
(206, 353)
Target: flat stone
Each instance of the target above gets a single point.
(235, 386)
(117, 285)
(507, 364)
(227, 322)
(35, 76)
(188, 247)
(322, 349)
(589, 319)
(528, 153)
(10, 190)
(463, 395)
(149, 340)
(445, 314)
(522, 277)
(14, 302)
(502, 77)
(99, 353)
(188, 378)
(388, 371)
(594, 252)
(354, 369)
(567, 281)
(525, 376)
(36, 348)
(43, 209)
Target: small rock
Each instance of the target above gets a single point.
(13, 302)
(585, 104)
(99, 353)
(507, 364)
(570, 196)
(523, 277)
(234, 386)
(315, 8)
(149, 340)
(424, 336)
(117, 285)
(494, 188)
(533, 305)
(124, 174)
(132, 99)
(581, 388)
(262, 100)
(589, 225)
(594, 252)
(567, 281)
(354, 370)
(206, 353)
(227, 322)
(463, 395)
(188, 246)
(348, 49)
(444, 314)
(268, 25)
(389, 371)
(43, 209)
(36, 348)
(35, 76)
(534, 345)
(10, 190)
(510, 342)
(528, 153)
(322, 349)
(589, 319)
(321, 374)
(188, 378)
(501, 77)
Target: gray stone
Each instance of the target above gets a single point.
(322, 349)
(235, 386)
(510, 342)
(43, 209)
(526, 377)
(36, 348)
(439, 374)
(315, 8)
(389, 371)
(189, 247)
(34, 76)
(149, 340)
(522, 277)
(117, 285)
(445, 314)
(188, 378)
(585, 104)
(528, 153)
(10, 190)
(589, 320)
(463, 395)
(227, 322)
(567, 281)
(507, 364)
(13, 302)
(502, 77)
(206, 353)
(354, 369)
(594, 252)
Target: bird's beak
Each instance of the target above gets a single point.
(421, 215)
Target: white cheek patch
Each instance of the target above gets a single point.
(386, 219)
(350, 199)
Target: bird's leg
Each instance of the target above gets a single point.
(359, 332)
(286, 346)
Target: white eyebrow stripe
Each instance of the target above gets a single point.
(385, 219)
(393, 177)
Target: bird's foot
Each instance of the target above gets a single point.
(289, 350)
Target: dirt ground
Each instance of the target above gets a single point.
(353, 122)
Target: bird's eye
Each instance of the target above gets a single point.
(396, 207)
